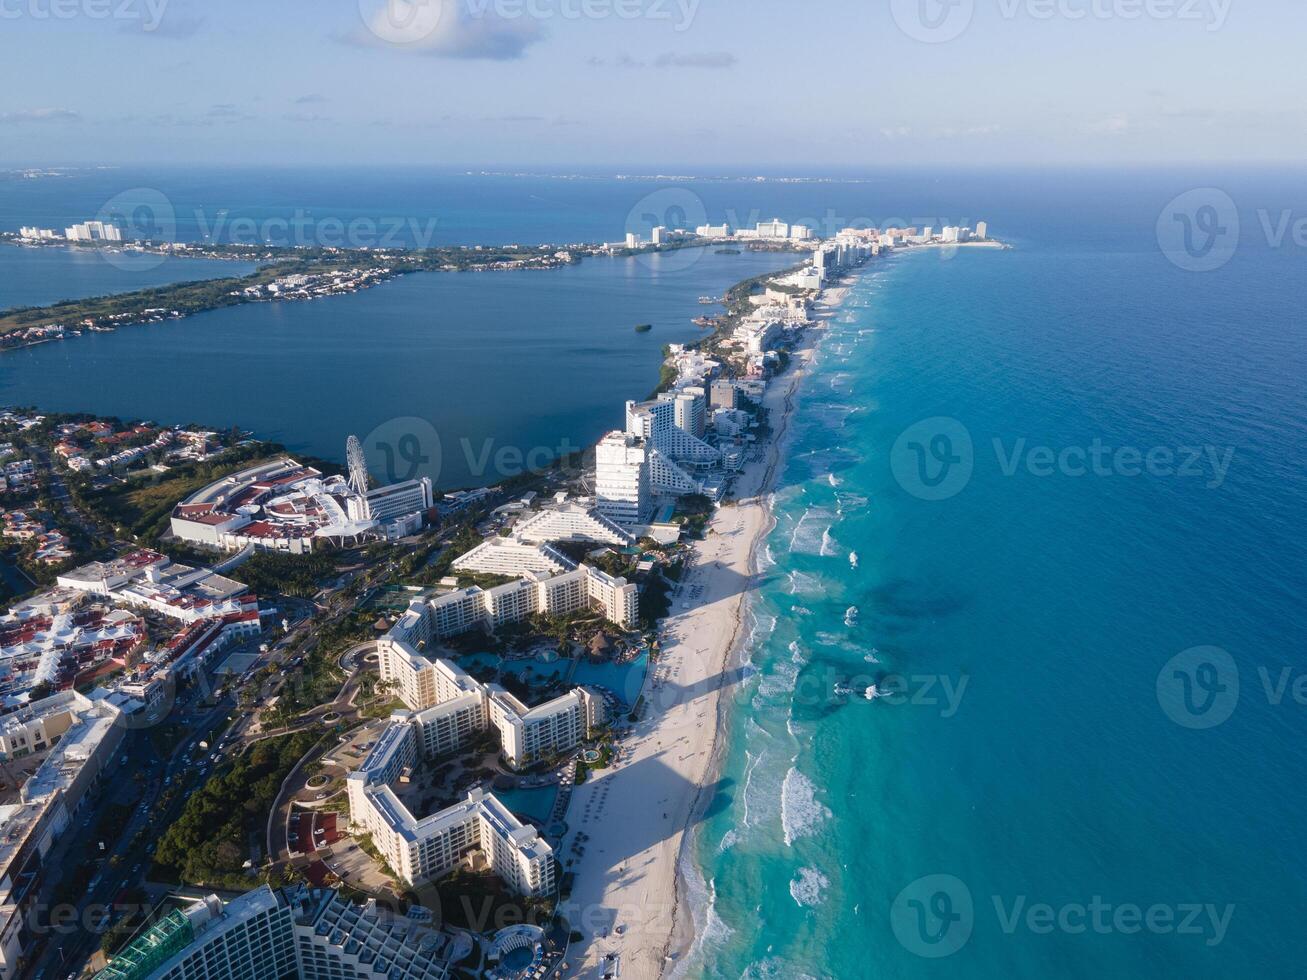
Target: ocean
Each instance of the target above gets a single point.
(1073, 476)
(1030, 791)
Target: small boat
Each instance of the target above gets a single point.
(709, 300)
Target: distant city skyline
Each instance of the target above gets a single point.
(641, 84)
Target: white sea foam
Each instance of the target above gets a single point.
(728, 840)
(797, 653)
(812, 531)
(801, 812)
(807, 888)
(710, 929)
(773, 969)
(804, 583)
(779, 681)
(800, 610)
(760, 796)
(827, 544)
(851, 616)
(851, 501)
(833, 479)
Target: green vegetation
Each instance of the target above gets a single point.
(141, 507)
(211, 841)
(194, 297)
(465, 539)
(482, 903)
(269, 573)
(693, 512)
(655, 601)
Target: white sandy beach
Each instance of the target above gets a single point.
(632, 819)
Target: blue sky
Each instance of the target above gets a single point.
(649, 84)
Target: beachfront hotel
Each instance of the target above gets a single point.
(572, 522)
(423, 850)
(295, 933)
(419, 850)
(622, 492)
(670, 429)
(536, 592)
(510, 556)
(452, 707)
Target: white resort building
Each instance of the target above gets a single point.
(452, 707)
(622, 490)
(296, 933)
(510, 556)
(572, 522)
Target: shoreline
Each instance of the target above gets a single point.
(631, 892)
(686, 929)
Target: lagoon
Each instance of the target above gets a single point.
(488, 370)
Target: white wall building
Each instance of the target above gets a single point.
(511, 556)
(293, 934)
(572, 522)
(622, 478)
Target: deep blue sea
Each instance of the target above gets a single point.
(1073, 473)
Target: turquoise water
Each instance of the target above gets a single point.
(624, 680)
(536, 803)
(1027, 618)
(1054, 775)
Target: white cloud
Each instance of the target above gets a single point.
(443, 29)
